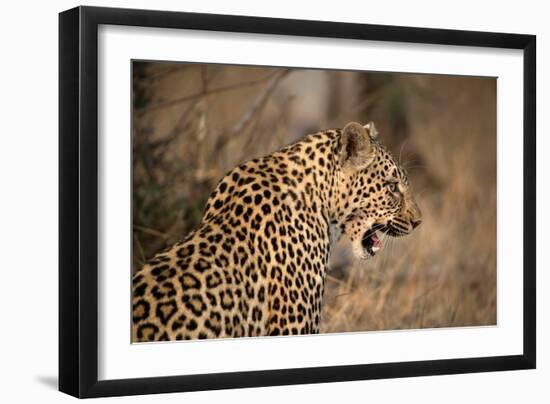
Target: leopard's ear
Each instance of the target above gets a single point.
(356, 149)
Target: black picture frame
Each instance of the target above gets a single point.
(78, 201)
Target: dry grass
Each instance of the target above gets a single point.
(443, 128)
(444, 274)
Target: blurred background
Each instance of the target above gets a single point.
(194, 122)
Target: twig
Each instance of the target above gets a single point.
(334, 279)
(166, 72)
(428, 291)
(247, 151)
(422, 314)
(140, 250)
(230, 87)
(453, 314)
(183, 123)
(256, 106)
(152, 232)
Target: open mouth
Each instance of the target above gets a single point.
(370, 242)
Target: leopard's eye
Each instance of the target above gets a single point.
(392, 186)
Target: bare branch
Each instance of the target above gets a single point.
(255, 107)
(191, 97)
(166, 72)
(152, 232)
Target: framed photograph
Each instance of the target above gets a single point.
(251, 201)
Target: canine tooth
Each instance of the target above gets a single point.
(374, 249)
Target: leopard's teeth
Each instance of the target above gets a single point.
(375, 249)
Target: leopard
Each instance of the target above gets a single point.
(257, 263)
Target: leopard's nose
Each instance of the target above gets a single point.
(416, 223)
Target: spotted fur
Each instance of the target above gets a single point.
(257, 262)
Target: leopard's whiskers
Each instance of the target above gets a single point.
(415, 167)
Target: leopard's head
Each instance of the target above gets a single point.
(375, 193)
